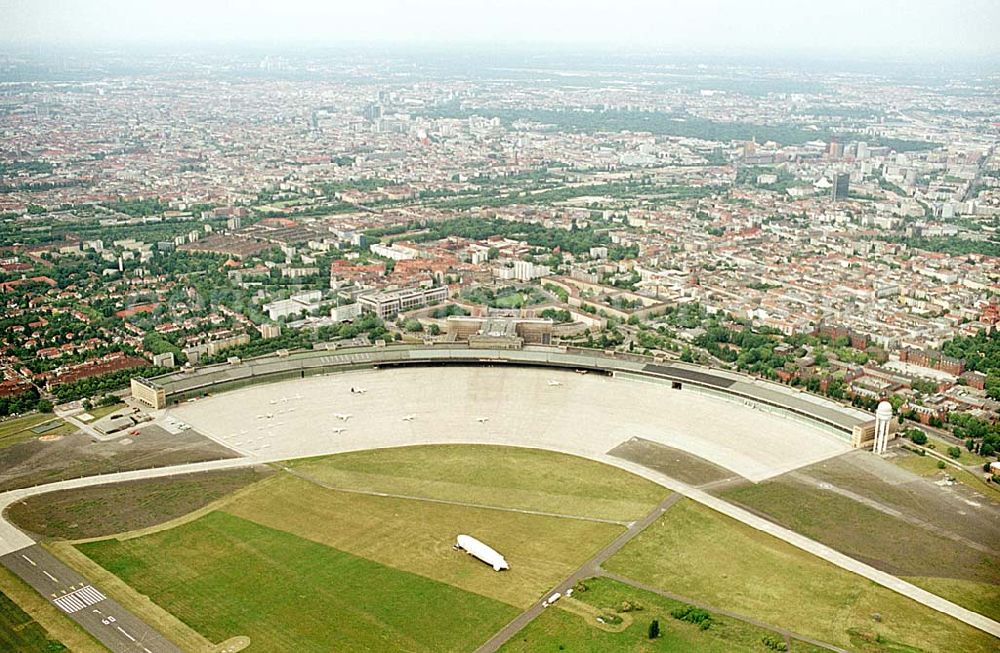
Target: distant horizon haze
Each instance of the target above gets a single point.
(925, 29)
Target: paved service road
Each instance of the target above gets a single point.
(110, 623)
(588, 569)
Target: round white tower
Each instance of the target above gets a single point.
(883, 417)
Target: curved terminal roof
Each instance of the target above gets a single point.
(184, 384)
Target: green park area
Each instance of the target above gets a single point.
(511, 477)
(960, 570)
(225, 576)
(380, 572)
(604, 616)
(506, 297)
(697, 553)
(354, 552)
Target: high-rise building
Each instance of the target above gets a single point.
(841, 187)
(836, 150)
(373, 112)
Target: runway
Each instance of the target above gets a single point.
(105, 619)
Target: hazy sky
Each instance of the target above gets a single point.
(932, 27)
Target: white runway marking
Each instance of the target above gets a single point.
(125, 633)
(50, 576)
(80, 599)
(30, 561)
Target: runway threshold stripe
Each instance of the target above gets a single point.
(80, 599)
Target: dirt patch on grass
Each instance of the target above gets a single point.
(891, 519)
(861, 531)
(34, 463)
(672, 462)
(951, 508)
(122, 507)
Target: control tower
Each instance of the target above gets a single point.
(883, 418)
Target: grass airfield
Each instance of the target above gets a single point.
(696, 552)
(296, 565)
(226, 576)
(353, 552)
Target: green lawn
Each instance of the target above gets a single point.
(20, 633)
(100, 411)
(983, 598)
(696, 552)
(417, 536)
(559, 630)
(225, 576)
(18, 429)
(921, 465)
(873, 536)
(529, 479)
(515, 300)
(927, 466)
(967, 457)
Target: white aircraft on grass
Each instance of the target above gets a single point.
(339, 430)
(342, 417)
(482, 420)
(554, 382)
(358, 391)
(409, 418)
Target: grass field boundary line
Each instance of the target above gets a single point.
(450, 502)
(722, 483)
(784, 632)
(139, 604)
